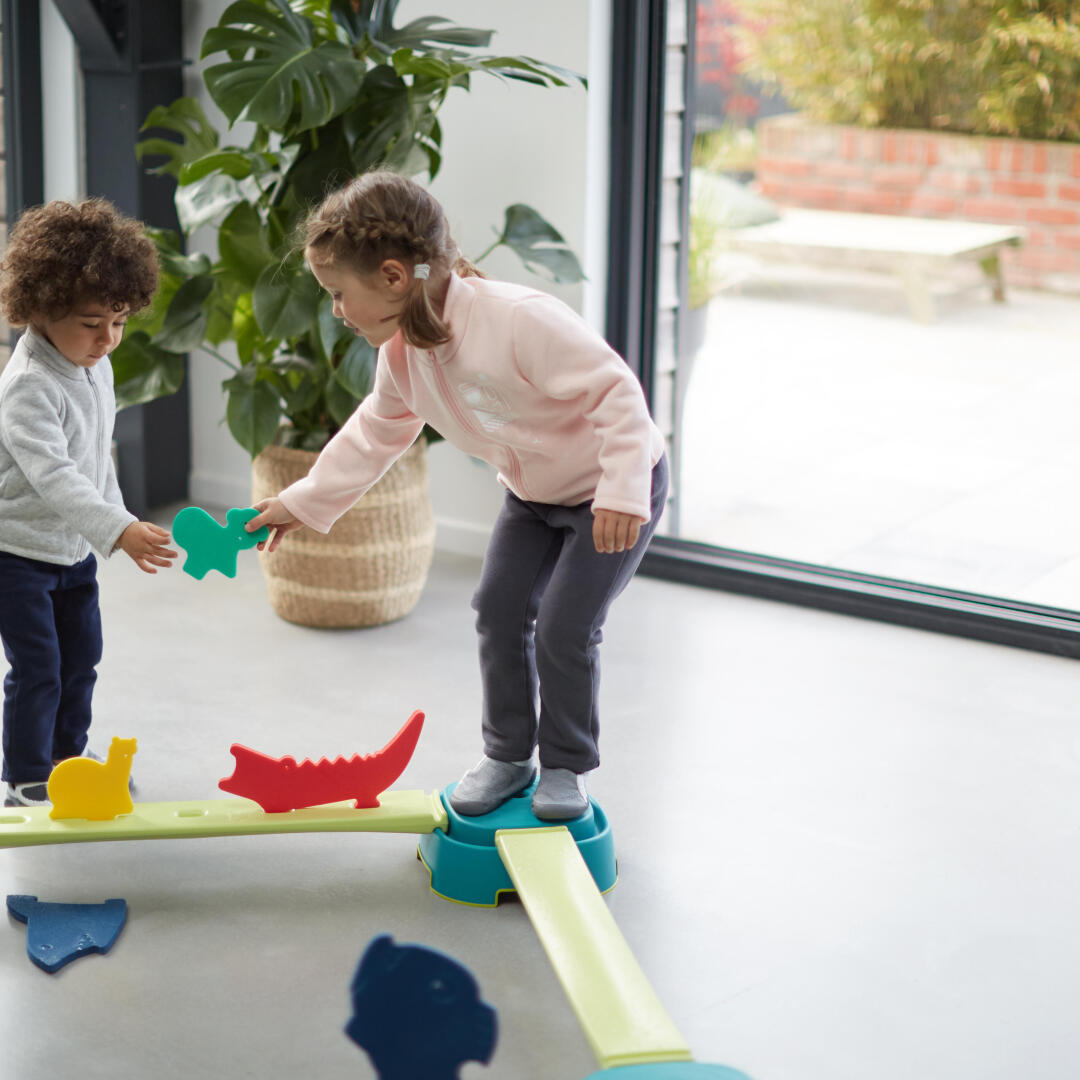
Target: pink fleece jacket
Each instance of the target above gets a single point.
(524, 383)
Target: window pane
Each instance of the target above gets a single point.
(877, 366)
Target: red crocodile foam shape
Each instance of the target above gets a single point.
(280, 784)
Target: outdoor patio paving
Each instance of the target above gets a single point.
(823, 424)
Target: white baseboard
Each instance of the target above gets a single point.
(461, 537)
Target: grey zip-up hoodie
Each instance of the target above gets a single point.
(58, 489)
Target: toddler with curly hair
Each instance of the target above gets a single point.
(71, 275)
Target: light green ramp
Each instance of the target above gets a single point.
(621, 1014)
(398, 812)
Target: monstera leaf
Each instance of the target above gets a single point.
(278, 74)
(184, 326)
(174, 263)
(539, 244)
(149, 361)
(184, 117)
(356, 372)
(210, 197)
(374, 19)
(286, 300)
(142, 371)
(253, 409)
(244, 246)
(204, 173)
(525, 69)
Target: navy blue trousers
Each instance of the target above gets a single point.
(50, 626)
(543, 597)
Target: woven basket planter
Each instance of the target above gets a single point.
(371, 567)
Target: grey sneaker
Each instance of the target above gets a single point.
(488, 784)
(560, 795)
(34, 793)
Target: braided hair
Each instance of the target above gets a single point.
(384, 215)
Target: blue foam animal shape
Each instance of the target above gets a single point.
(417, 1013)
(56, 934)
(211, 546)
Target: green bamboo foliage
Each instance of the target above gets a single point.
(990, 67)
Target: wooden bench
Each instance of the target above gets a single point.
(915, 249)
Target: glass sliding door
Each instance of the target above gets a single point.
(869, 370)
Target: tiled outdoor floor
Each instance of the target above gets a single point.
(822, 423)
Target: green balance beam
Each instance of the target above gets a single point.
(398, 812)
(620, 1013)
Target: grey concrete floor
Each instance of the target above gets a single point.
(846, 850)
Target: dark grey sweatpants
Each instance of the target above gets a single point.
(543, 597)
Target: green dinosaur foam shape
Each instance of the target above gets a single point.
(211, 546)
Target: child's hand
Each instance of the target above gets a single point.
(145, 544)
(612, 531)
(280, 521)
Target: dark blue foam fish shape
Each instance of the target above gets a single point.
(418, 1013)
(56, 934)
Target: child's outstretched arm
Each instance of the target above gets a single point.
(272, 513)
(145, 544)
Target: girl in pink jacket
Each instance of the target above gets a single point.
(515, 377)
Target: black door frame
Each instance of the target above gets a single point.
(24, 152)
(639, 32)
(638, 79)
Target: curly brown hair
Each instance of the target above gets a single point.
(62, 254)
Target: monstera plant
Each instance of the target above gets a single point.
(326, 89)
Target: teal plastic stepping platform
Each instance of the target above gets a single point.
(466, 867)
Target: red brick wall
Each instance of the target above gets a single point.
(1033, 185)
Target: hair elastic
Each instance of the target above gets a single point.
(422, 270)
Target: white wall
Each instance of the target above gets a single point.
(220, 470)
(504, 142)
(597, 164)
(61, 93)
